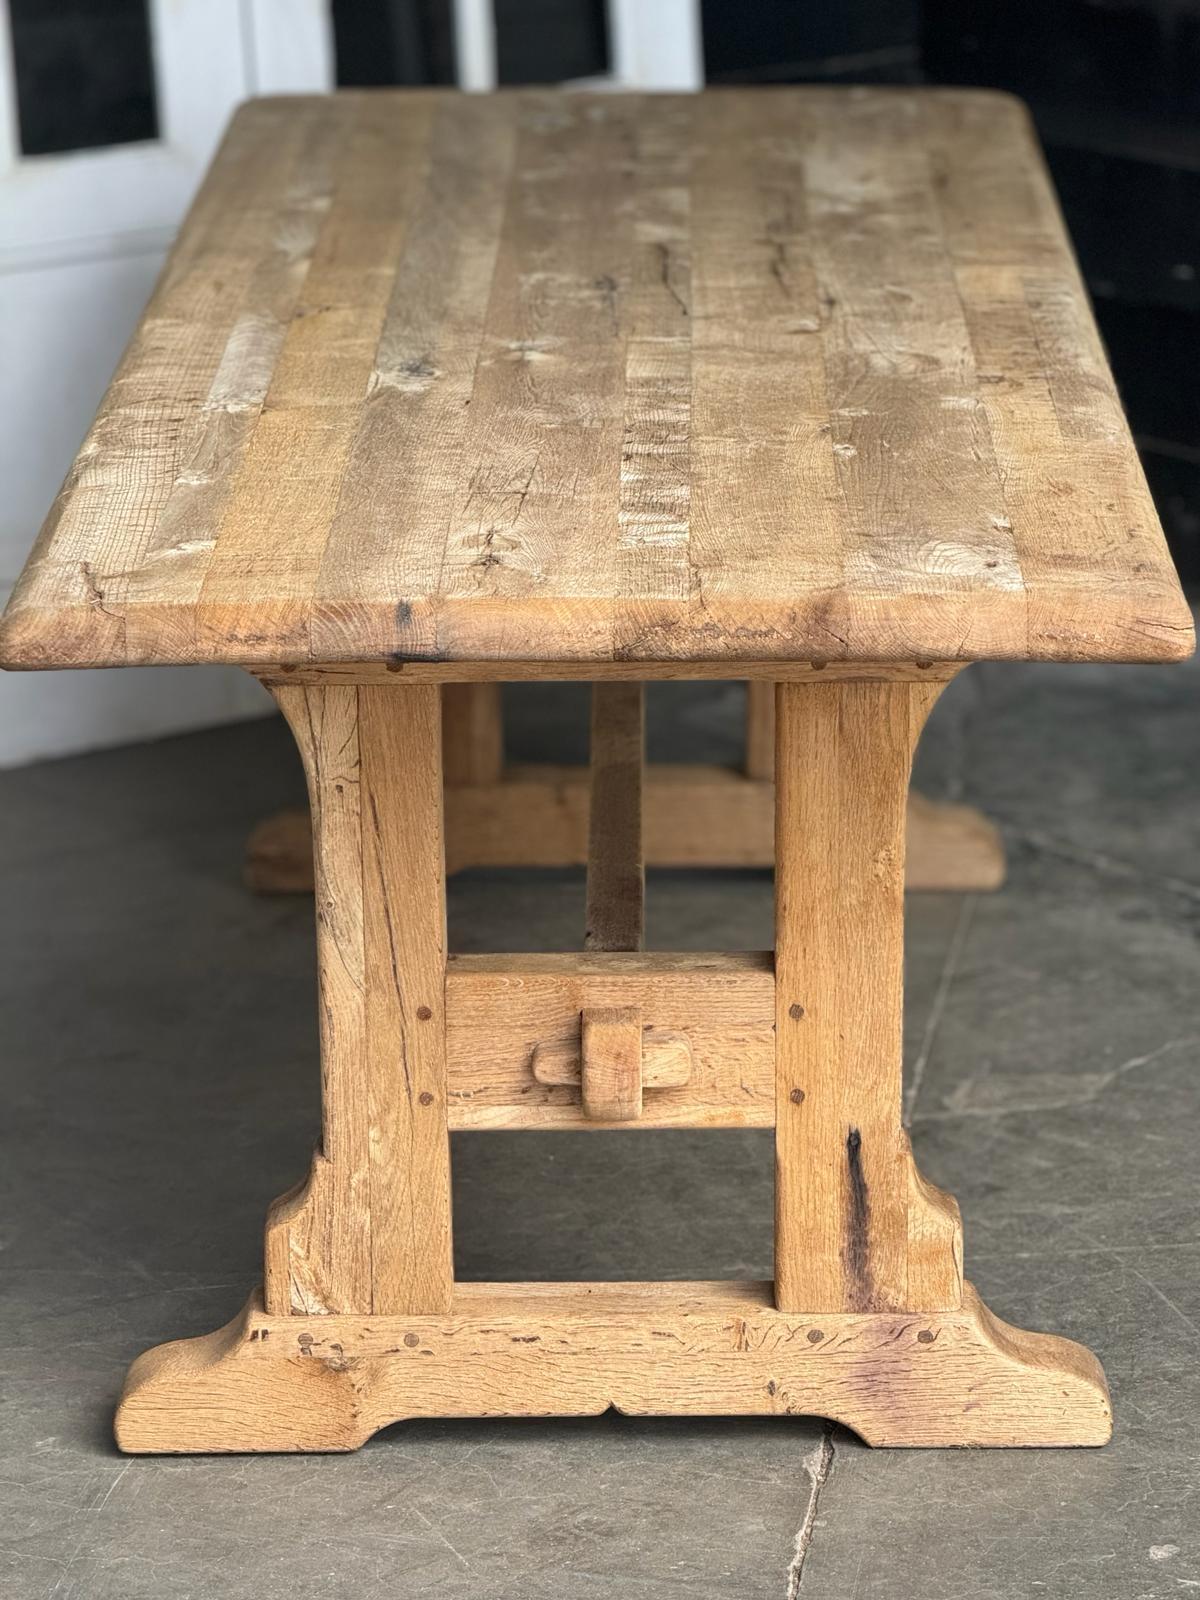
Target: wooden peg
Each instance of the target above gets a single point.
(667, 1061)
(611, 1038)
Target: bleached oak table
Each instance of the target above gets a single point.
(794, 386)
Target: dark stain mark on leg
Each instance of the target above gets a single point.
(856, 1249)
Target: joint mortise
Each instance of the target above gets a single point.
(370, 1229)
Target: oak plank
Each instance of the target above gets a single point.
(821, 668)
(693, 816)
(280, 506)
(404, 894)
(318, 1250)
(1055, 420)
(472, 733)
(759, 762)
(404, 485)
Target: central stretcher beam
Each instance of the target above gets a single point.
(616, 873)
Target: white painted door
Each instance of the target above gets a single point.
(83, 233)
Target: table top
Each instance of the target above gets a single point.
(753, 375)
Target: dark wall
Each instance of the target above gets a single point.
(412, 41)
(393, 41)
(857, 41)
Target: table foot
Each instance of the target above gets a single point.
(305, 1383)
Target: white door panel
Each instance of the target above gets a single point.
(289, 45)
(200, 73)
(82, 235)
(62, 330)
(44, 714)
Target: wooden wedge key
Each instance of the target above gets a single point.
(794, 386)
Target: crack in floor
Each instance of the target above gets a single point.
(1097, 860)
(954, 952)
(818, 1464)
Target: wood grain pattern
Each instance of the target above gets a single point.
(500, 1009)
(666, 1061)
(611, 1040)
(472, 733)
(370, 1231)
(792, 375)
(616, 873)
(842, 1186)
(935, 1242)
(958, 1377)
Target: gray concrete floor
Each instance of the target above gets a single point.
(159, 1087)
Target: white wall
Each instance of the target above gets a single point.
(82, 239)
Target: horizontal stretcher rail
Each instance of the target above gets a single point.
(501, 1009)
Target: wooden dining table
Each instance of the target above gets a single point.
(796, 386)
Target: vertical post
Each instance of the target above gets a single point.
(657, 46)
(843, 1177)
(370, 1229)
(759, 760)
(472, 733)
(475, 44)
(616, 873)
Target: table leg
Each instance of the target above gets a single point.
(857, 1229)
(370, 1229)
(842, 1180)
(472, 733)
